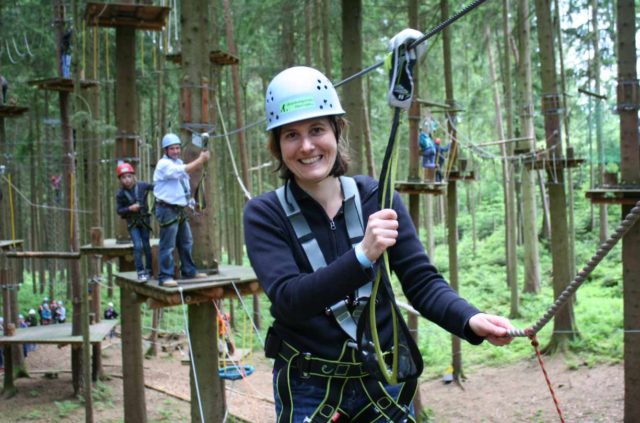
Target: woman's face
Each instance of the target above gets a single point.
(309, 149)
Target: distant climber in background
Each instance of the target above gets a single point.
(5, 88)
(65, 53)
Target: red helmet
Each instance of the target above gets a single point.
(437, 140)
(124, 168)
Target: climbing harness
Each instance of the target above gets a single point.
(337, 374)
(347, 320)
(354, 363)
(138, 219)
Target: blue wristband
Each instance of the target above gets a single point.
(362, 257)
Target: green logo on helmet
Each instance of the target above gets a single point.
(299, 103)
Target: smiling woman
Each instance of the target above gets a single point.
(314, 244)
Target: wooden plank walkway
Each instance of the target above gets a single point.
(58, 334)
(215, 286)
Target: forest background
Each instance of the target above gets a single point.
(271, 35)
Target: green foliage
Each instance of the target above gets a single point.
(35, 415)
(65, 408)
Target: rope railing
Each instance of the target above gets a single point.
(630, 219)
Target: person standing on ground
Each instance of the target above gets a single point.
(131, 204)
(31, 319)
(173, 197)
(316, 244)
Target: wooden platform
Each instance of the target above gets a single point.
(112, 249)
(421, 187)
(217, 57)
(61, 84)
(550, 164)
(7, 111)
(10, 244)
(195, 291)
(138, 16)
(58, 334)
(456, 175)
(614, 194)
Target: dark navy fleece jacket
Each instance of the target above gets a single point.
(300, 296)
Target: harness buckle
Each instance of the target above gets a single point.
(304, 363)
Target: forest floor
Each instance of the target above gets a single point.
(510, 393)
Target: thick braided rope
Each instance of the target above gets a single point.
(628, 222)
(535, 344)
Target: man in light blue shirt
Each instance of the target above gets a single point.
(173, 195)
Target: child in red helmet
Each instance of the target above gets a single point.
(131, 203)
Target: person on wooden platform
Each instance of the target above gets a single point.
(173, 197)
(316, 245)
(428, 150)
(65, 53)
(5, 88)
(132, 205)
(441, 158)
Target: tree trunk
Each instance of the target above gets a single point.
(196, 18)
(507, 175)
(452, 196)
(351, 97)
(529, 233)
(603, 213)
(630, 174)
(565, 118)
(244, 161)
(564, 322)
(326, 44)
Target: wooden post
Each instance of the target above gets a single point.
(126, 106)
(135, 409)
(204, 367)
(97, 240)
(9, 388)
(628, 98)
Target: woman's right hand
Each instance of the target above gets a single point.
(381, 233)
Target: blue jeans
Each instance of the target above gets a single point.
(140, 238)
(172, 236)
(66, 66)
(306, 396)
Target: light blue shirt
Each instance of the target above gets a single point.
(170, 182)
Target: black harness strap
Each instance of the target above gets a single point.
(284, 393)
(386, 408)
(348, 320)
(138, 219)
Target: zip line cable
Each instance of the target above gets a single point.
(246, 192)
(41, 206)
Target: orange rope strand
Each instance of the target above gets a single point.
(535, 344)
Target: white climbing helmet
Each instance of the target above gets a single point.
(300, 93)
(169, 140)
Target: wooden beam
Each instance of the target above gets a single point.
(43, 254)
